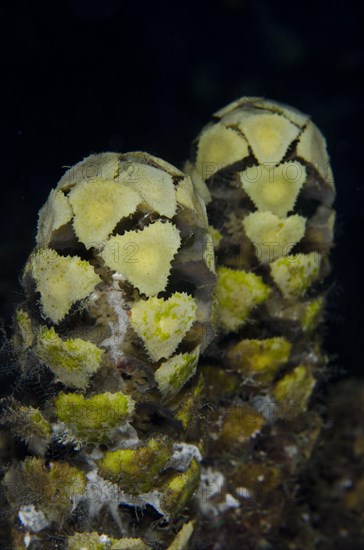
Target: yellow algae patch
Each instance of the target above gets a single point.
(154, 185)
(274, 188)
(28, 423)
(219, 147)
(268, 134)
(50, 486)
(181, 540)
(73, 361)
(237, 293)
(173, 374)
(136, 470)
(94, 541)
(272, 236)
(240, 424)
(94, 418)
(260, 359)
(178, 490)
(293, 274)
(312, 314)
(144, 257)
(162, 324)
(294, 389)
(98, 206)
(61, 281)
(215, 235)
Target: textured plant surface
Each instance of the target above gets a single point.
(264, 173)
(118, 305)
(155, 409)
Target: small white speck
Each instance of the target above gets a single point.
(211, 484)
(118, 277)
(231, 501)
(291, 451)
(243, 492)
(183, 454)
(344, 484)
(265, 406)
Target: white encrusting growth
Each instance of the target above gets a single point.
(118, 327)
(183, 454)
(32, 519)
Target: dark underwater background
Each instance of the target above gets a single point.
(82, 76)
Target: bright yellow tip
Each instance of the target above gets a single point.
(273, 237)
(61, 281)
(144, 257)
(98, 206)
(274, 189)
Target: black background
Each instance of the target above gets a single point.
(82, 76)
